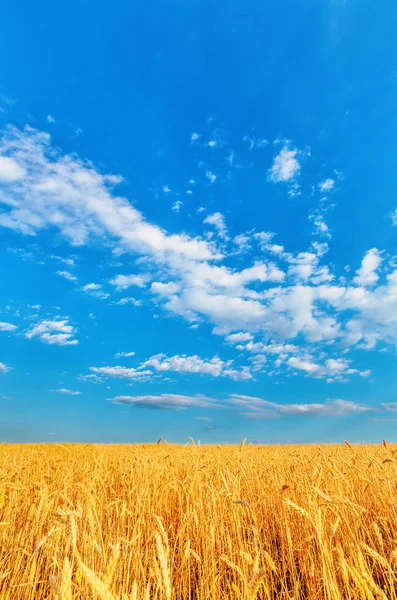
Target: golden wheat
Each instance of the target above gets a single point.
(196, 522)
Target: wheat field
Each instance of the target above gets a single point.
(169, 522)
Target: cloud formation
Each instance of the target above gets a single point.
(4, 326)
(274, 298)
(56, 332)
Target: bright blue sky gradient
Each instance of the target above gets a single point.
(210, 188)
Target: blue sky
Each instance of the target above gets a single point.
(198, 221)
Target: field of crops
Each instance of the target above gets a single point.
(198, 522)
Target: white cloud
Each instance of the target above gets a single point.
(194, 138)
(243, 242)
(258, 362)
(285, 166)
(211, 176)
(272, 348)
(10, 170)
(166, 189)
(165, 289)
(334, 369)
(167, 401)
(258, 408)
(122, 373)
(128, 300)
(57, 332)
(7, 326)
(177, 205)
(67, 275)
(3, 368)
(218, 221)
(122, 282)
(389, 406)
(237, 338)
(124, 354)
(366, 274)
(194, 364)
(95, 289)
(281, 297)
(50, 119)
(327, 185)
(54, 190)
(67, 392)
(254, 408)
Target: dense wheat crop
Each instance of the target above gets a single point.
(198, 522)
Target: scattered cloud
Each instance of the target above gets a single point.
(211, 176)
(95, 289)
(218, 221)
(124, 354)
(50, 119)
(366, 274)
(177, 205)
(57, 332)
(194, 364)
(67, 392)
(276, 296)
(48, 189)
(123, 282)
(67, 275)
(237, 338)
(122, 373)
(285, 166)
(10, 170)
(7, 326)
(327, 185)
(3, 368)
(128, 301)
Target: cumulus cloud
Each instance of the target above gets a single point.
(10, 170)
(285, 166)
(57, 332)
(276, 296)
(194, 364)
(95, 289)
(366, 274)
(122, 373)
(3, 368)
(334, 369)
(124, 354)
(128, 300)
(218, 221)
(4, 326)
(122, 282)
(327, 185)
(48, 189)
(50, 119)
(237, 338)
(67, 392)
